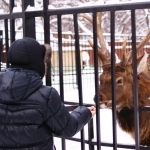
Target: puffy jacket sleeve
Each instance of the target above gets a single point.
(60, 121)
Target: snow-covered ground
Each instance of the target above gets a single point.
(105, 119)
(105, 125)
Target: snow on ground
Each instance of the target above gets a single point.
(106, 135)
(105, 121)
(105, 124)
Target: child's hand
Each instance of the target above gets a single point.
(93, 110)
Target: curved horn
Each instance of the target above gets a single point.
(128, 56)
(103, 52)
(144, 41)
(104, 58)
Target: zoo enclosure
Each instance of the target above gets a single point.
(28, 22)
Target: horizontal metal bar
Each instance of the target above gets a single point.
(144, 109)
(108, 144)
(87, 9)
(144, 148)
(75, 103)
(97, 8)
(4, 16)
(31, 14)
(17, 15)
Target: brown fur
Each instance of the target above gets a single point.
(124, 99)
(48, 54)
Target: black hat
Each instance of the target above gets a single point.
(27, 53)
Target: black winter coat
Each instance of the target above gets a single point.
(30, 113)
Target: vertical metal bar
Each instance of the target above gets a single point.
(113, 78)
(47, 39)
(90, 134)
(78, 70)
(6, 40)
(135, 85)
(78, 60)
(1, 47)
(12, 22)
(28, 23)
(46, 22)
(27, 2)
(96, 81)
(23, 17)
(59, 23)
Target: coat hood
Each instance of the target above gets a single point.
(27, 53)
(18, 84)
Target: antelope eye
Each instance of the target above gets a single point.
(119, 81)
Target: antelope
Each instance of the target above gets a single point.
(124, 85)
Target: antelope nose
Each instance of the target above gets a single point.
(106, 103)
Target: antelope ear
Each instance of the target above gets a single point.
(142, 62)
(47, 56)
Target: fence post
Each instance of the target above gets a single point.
(1, 47)
(47, 39)
(90, 134)
(12, 21)
(28, 22)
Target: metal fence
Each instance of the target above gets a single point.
(93, 139)
(86, 52)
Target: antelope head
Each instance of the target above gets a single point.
(123, 71)
(124, 77)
